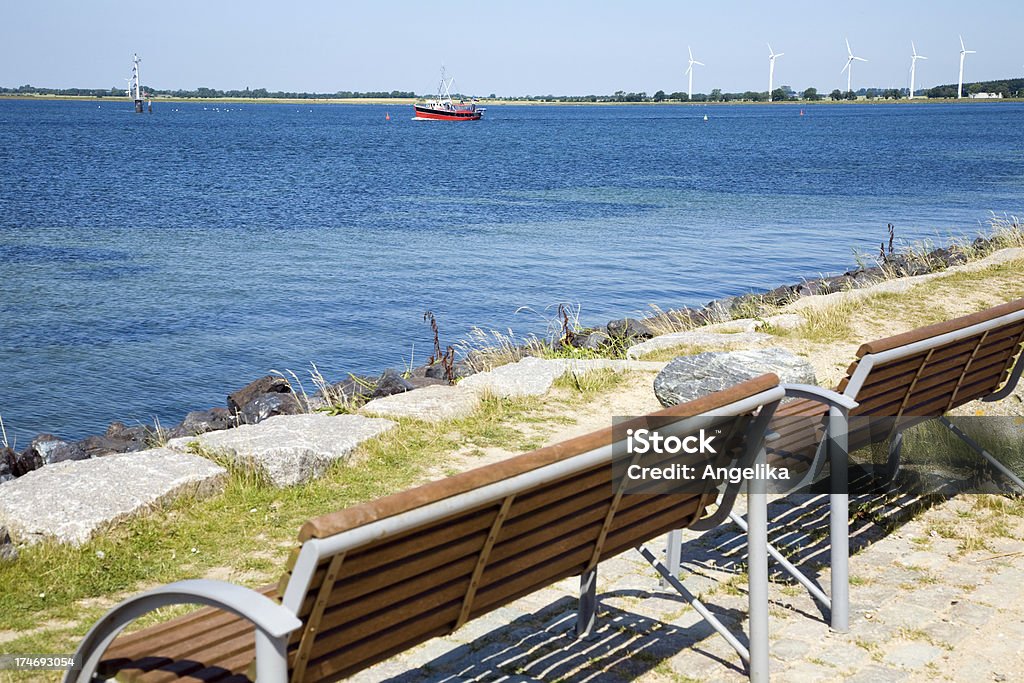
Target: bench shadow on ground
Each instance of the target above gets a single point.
(798, 523)
(543, 646)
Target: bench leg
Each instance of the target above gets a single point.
(587, 610)
(893, 465)
(757, 576)
(976, 447)
(839, 520)
(673, 554)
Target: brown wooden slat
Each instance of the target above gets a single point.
(420, 628)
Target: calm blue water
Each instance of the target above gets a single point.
(151, 264)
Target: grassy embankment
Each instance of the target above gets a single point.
(53, 593)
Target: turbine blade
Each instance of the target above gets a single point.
(921, 57)
(770, 50)
(972, 52)
(846, 67)
(780, 54)
(688, 49)
(848, 50)
(912, 48)
(699, 63)
(860, 59)
(962, 43)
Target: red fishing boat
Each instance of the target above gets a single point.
(443, 108)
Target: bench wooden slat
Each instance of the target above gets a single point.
(569, 561)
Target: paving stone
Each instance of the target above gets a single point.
(430, 404)
(877, 674)
(72, 500)
(290, 449)
(788, 649)
(911, 655)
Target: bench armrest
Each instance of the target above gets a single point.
(821, 395)
(272, 621)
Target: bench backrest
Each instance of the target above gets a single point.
(376, 579)
(929, 371)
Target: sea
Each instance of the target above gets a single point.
(150, 264)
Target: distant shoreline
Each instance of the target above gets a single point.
(408, 101)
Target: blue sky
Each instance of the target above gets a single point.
(507, 48)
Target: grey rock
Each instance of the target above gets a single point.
(202, 421)
(629, 327)
(8, 551)
(268, 405)
(689, 377)
(389, 383)
(593, 341)
(460, 369)
(420, 382)
(49, 449)
(25, 462)
(429, 404)
(780, 296)
(133, 438)
(270, 384)
(70, 501)
(96, 446)
(290, 449)
(354, 387)
(7, 460)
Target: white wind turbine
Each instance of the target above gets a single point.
(771, 68)
(849, 65)
(689, 71)
(913, 67)
(960, 83)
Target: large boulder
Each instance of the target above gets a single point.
(389, 383)
(202, 421)
(689, 377)
(268, 405)
(271, 384)
(354, 388)
(7, 460)
(49, 449)
(630, 328)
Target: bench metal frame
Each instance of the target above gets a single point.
(834, 448)
(274, 622)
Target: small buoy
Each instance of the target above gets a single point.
(705, 117)
(387, 116)
(801, 112)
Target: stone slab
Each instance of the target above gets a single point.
(430, 404)
(581, 366)
(700, 338)
(290, 449)
(528, 377)
(70, 501)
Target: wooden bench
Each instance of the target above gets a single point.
(374, 580)
(892, 385)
